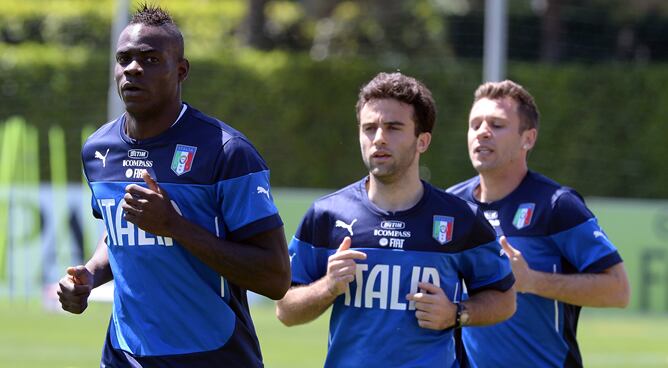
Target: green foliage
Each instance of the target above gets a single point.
(87, 23)
(602, 127)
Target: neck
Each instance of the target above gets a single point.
(397, 195)
(498, 184)
(147, 125)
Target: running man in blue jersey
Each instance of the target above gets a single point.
(181, 253)
(562, 260)
(388, 251)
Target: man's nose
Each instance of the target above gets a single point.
(483, 130)
(133, 68)
(379, 137)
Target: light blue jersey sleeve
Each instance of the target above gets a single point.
(579, 237)
(308, 260)
(245, 193)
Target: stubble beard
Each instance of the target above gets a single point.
(391, 171)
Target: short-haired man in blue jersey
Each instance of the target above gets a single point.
(182, 253)
(389, 251)
(561, 258)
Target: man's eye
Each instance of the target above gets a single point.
(152, 59)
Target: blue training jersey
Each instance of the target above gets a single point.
(556, 233)
(171, 309)
(441, 240)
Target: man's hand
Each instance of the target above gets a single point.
(149, 208)
(75, 287)
(433, 309)
(523, 274)
(341, 267)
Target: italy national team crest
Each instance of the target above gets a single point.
(183, 158)
(443, 228)
(523, 215)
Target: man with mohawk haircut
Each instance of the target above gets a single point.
(181, 253)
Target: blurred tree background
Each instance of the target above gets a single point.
(286, 73)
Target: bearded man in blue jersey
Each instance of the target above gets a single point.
(561, 258)
(181, 253)
(389, 251)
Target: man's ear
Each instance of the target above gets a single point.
(423, 141)
(529, 137)
(184, 68)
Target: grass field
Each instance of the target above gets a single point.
(30, 337)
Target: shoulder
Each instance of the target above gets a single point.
(340, 199)
(556, 192)
(231, 153)
(567, 206)
(209, 128)
(103, 133)
(465, 188)
(453, 199)
(102, 139)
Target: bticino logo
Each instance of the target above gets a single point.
(138, 153)
(392, 225)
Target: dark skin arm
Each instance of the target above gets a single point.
(259, 263)
(75, 287)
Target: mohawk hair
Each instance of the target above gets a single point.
(155, 16)
(151, 15)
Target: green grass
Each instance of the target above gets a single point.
(31, 337)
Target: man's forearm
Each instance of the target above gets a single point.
(303, 304)
(98, 265)
(260, 264)
(490, 306)
(607, 289)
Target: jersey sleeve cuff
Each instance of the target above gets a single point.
(256, 227)
(604, 263)
(502, 285)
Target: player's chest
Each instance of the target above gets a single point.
(521, 218)
(434, 232)
(169, 161)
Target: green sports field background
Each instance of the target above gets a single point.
(32, 337)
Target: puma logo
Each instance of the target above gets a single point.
(98, 155)
(261, 190)
(342, 224)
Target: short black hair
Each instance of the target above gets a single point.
(155, 16)
(404, 89)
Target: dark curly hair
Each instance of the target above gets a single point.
(404, 89)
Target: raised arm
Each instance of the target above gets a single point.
(609, 288)
(305, 303)
(259, 263)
